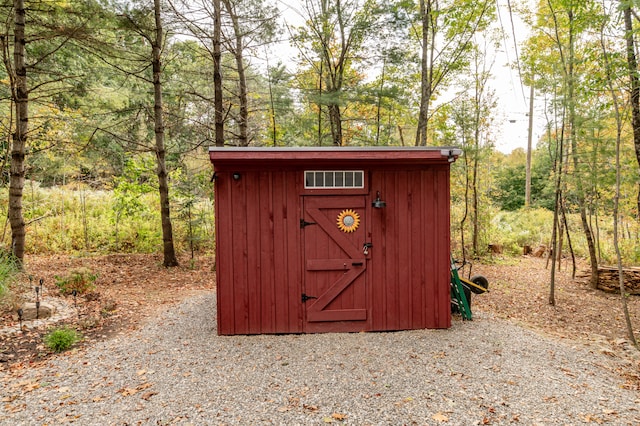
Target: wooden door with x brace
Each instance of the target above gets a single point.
(335, 260)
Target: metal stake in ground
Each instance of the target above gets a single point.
(37, 302)
(20, 313)
(75, 301)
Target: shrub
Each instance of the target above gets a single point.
(81, 280)
(61, 339)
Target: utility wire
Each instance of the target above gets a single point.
(505, 43)
(515, 45)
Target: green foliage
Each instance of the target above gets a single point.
(73, 221)
(79, 280)
(509, 189)
(513, 230)
(61, 339)
(131, 186)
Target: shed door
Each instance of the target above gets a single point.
(334, 234)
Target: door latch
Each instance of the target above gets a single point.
(366, 247)
(305, 297)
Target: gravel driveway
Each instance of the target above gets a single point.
(176, 370)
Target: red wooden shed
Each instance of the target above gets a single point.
(332, 239)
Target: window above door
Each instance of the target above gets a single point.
(334, 179)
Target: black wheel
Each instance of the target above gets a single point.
(481, 281)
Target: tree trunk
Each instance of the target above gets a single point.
(593, 258)
(274, 127)
(217, 74)
(632, 66)
(616, 199)
(242, 80)
(21, 99)
(527, 180)
(425, 85)
(379, 102)
(335, 118)
(163, 185)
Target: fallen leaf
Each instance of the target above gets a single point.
(148, 395)
(439, 417)
(338, 416)
(14, 408)
(128, 391)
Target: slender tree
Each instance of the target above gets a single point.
(446, 38)
(170, 258)
(616, 204)
(331, 43)
(634, 83)
(20, 97)
(217, 73)
(151, 31)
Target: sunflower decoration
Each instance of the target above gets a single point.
(348, 221)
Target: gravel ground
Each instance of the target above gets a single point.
(176, 370)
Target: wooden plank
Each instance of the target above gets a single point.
(442, 310)
(392, 284)
(238, 246)
(224, 257)
(295, 251)
(337, 315)
(333, 264)
(267, 257)
(251, 215)
(419, 261)
(403, 242)
(280, 256)
(333, 232)
(380, 257)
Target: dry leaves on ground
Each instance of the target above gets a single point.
(129, 289)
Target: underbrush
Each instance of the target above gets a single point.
(533, 228)
(78, 220)
(9, 273)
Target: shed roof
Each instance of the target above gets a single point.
(305, 156)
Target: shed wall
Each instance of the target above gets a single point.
(260, 259)
(410, 258)
(258, 263)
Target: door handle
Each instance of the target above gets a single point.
(357, 263)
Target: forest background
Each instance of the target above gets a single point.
(107, 108)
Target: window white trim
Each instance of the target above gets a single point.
(333, 179)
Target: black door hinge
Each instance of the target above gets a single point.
(305, 297)
(304, 223)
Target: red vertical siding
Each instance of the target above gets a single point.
(257, 254)
(260, 254)
(410, 276)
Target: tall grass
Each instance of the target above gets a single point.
(80, 220)
(8, 272)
